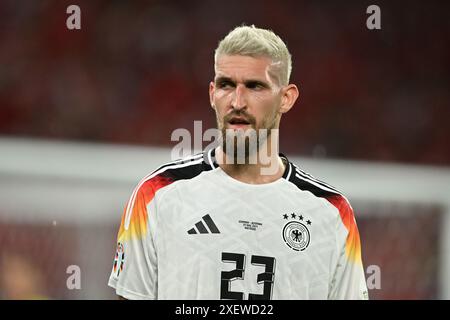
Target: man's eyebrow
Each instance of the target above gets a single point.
(247, 82)
(223, 79)
(257, 82)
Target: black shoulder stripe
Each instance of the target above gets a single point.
(307, 186)
(179, 161)
(309, 177)
(186, 168)
(186, 172)
(316, 187)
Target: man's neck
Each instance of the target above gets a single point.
(258, 173)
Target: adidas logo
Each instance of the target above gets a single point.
(200, 227)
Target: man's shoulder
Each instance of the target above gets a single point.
(182, 169)
(305, 181)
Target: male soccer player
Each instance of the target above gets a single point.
(209, 227)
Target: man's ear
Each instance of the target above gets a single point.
(289, 95)
(211, 94)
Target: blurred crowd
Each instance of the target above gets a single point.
(137, 70)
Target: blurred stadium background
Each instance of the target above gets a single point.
(85, 114)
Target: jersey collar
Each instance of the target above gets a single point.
(210, 159)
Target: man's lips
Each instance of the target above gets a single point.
(238, 123)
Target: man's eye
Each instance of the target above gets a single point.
(255, 85)
(225, 84)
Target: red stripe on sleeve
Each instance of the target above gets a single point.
(353, 242)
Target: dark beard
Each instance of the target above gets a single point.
(243, 147)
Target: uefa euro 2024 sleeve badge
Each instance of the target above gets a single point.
(119, 259)
(295, 232)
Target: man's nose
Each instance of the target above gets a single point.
(239, 102)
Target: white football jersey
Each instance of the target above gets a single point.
(190, 231)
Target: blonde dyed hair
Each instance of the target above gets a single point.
(256, 42)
